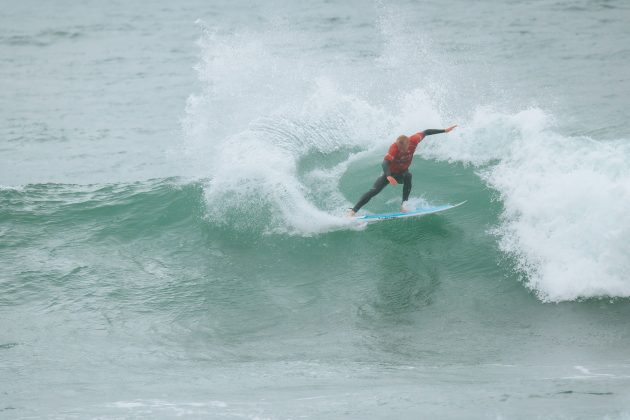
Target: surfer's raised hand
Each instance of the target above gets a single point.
(392, 180)
(448, 130)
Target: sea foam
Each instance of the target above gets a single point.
(565, 200)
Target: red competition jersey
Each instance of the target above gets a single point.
(398, 161)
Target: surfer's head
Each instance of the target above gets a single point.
(403, 143)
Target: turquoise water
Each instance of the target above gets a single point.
(174, 180)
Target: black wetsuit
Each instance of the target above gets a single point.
(380, 183)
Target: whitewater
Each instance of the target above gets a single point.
(174, 183)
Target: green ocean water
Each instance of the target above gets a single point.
(132, 292)
(173, 238)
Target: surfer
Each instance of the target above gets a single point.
(396, 167)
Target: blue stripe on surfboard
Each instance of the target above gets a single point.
(401, 215)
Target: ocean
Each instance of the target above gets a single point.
(174, 182)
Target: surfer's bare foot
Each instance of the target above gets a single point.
(403, 208)
(351, 213)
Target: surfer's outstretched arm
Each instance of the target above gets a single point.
(431, 131)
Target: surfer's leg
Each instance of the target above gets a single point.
(406, 178)
(378, 186)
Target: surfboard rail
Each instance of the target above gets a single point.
(412, 213)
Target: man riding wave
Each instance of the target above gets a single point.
(396, 167)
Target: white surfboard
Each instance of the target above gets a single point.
(369, 218)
